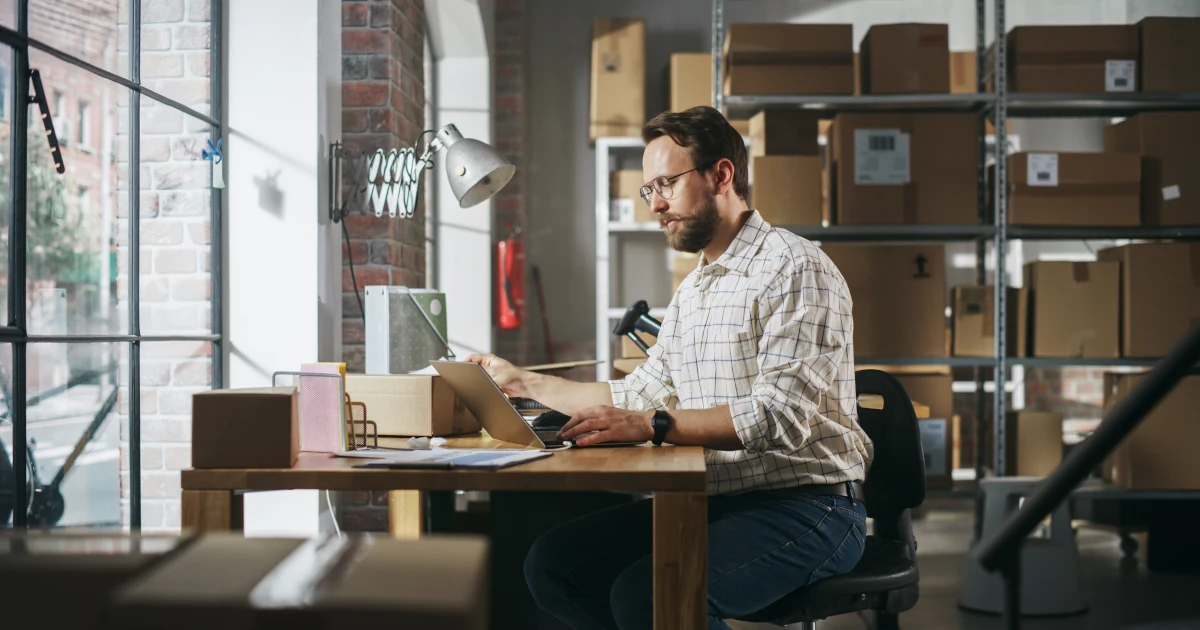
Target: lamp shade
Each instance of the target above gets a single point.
(476, 170)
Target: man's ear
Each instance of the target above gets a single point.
(724, 175)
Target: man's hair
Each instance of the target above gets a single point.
(707, 136)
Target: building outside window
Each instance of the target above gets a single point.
(136, 197)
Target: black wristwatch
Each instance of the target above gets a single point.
(661, 424)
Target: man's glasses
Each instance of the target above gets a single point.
(665, 186)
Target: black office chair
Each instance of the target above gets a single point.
(885, 580)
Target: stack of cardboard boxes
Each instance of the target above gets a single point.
(785, 167)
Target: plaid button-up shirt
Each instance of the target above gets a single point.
(767, 330)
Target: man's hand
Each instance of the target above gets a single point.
(511, 379)
(612, 424)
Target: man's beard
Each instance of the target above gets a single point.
(694, 233)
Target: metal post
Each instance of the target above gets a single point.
(16, 265)
(718, 52)
(1000, 249)
(980, 251)
(133, 298)
(216, 225)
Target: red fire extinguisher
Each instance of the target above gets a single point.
(510, 280)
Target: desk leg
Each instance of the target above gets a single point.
(211, 510)
(680, 560)
(406, 513)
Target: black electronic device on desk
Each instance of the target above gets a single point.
(637, 319)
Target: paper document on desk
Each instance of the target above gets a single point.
(428, 370)
(457, 457)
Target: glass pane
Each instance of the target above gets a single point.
(95, 31)
(6, 442)
(171, 372)
(176, 194)
(175, 50)
(71, 399)
(73, 233)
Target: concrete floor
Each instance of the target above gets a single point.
(1121, 593)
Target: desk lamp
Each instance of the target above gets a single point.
(393, 180)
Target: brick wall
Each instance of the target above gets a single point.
(383, 107)
(522, 345)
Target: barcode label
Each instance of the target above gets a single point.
(1120, 75)
(1170, 193)
(882, 143)
(1042, 169)
(881, 157)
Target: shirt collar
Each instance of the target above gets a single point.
(744, 246)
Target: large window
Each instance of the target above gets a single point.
(111, 261)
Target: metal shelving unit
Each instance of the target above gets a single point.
(998, 106)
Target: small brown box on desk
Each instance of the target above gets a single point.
(624, 367)
(1073, 309)
(899, 296)
(1168, 142)
(1160, 295)
(789, 59)
(1170, 47)
(905, 59)
(973, 321)
(1074, 189)
(245, 428)
(1070, 59)
(787, 189)
(630, 350)
(618, 92)
(411, 404)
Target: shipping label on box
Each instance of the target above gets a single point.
(623, 210)
(881, 157)
(1042, 169)
(1120, 75)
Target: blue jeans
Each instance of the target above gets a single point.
(596, 571)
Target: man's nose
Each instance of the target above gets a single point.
(658, 204)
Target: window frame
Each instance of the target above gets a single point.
(15, 333)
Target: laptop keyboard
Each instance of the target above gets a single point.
(549, 437)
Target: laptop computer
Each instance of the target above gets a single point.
(493, 409)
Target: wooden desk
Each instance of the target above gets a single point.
(675, 474)
(872, 401)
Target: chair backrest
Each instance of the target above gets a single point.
(896, 479)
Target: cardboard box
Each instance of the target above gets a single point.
(629, 350)
(784, 132)
(973, 321)
(899, 294)
(1170, 47)
(691, 85)
(626, 187)
(618, 96)
(1080, 189)
(1073, 308)
(963, 73)
(789, 59)
(83, 569)
(1168, 141)
(1070, 59)
(932, 390)
(905, 59)
(787, 189)
(245, 428)
(893, 169)
(1160, 454)
(1160, 295)
(436, 582)
(1033, 443)
(411, 405)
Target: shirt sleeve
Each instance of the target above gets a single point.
(650, 386)
(806, 323)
